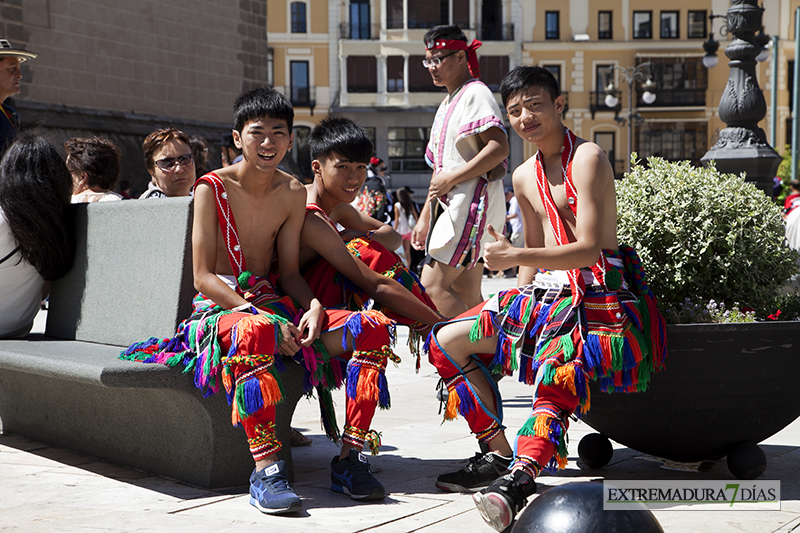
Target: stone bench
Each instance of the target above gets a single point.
(132, 279)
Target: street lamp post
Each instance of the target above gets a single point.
(640, 73)
(742, 145)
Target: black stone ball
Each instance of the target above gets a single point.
(578, 508)
(595, 450)
(746, 460)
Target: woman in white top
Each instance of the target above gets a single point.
(35, 240)
(94, 165)
(405, 217)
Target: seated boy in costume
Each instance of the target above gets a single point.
(247, 315)
(340, 150)
(588, 316)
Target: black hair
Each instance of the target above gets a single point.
(35, 190)
(404, 198)
(448, 32)
(522, 78)
(342, 136)
(261, 102)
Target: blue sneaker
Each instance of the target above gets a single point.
(270, 492)
(352, 476)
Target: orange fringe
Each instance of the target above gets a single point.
(453, 404)
(367, 387)
(565, 376)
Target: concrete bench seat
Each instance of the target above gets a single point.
(131, 280)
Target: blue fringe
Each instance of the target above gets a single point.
(466, 402)
(426, 346)
(383, 397)
(278, 362)
(137, 346)
(593, 355)
(499, 357)
(629, 361)
(353, 372)
(253, 399)
(541, 318)
(353, 326)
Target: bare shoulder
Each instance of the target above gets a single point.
(524, 177)
(590, 163)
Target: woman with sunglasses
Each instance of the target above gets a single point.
(168, 158)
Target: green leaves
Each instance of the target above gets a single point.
(703, 235)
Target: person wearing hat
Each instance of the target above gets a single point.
(10, 76)
(467, 151)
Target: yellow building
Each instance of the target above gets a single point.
(362, 58)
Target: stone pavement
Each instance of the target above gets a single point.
(46, 489)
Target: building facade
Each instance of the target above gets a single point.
(121, 69)
(372, 69)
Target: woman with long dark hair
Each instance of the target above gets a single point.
(35, 239)
(405, 216)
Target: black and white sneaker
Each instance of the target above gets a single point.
(481, 470)
(500, 502)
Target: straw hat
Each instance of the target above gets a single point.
(7, 50)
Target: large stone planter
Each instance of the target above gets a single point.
(726, 387)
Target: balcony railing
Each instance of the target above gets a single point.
(597, 103)
(300, 96)
(496, 32)
(675, 98)
(355, 30)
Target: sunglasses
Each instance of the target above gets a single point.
(382, 169)
(168, 163)
(436, 61)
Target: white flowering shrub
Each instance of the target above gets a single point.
(703, 236)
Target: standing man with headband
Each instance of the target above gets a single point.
(467, 150)
(10, 76)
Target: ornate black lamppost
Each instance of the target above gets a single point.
(742, 146)
(640, 73)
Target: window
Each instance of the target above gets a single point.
(394, 74)
(604, 74)
(298, 17)
(407, 149)
(300, 95)
(555, 70)
(697, 25)
(299, 160)
(680, 82)
(673, 140)
(551, 25)
(790, 84)
(642, 24)
(394, 14)
(604, 28)
(426, 14)
(419, 79)
(669, 24)
(359, 19)
(607, 143)
(493, 68)
(362, 74)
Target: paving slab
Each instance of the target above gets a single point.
(47, 489)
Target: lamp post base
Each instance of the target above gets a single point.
(745, 150)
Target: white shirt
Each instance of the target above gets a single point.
(20, 285)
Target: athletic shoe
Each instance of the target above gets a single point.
(481, 470)
(270, 492)
(500, 502)
(352, 476)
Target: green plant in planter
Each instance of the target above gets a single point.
(704, 237)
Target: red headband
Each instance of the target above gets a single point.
(457, 44)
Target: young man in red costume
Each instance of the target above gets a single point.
(351, 266)
(249, 312)
(582, 309)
